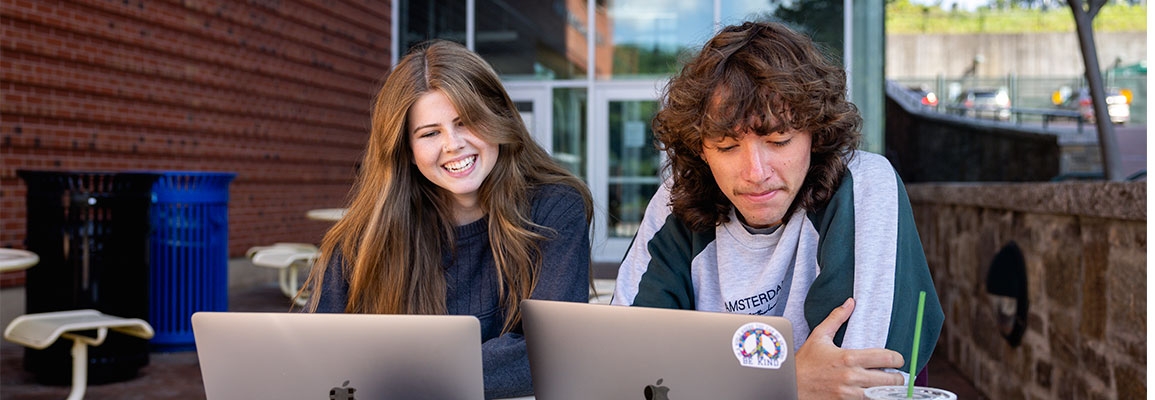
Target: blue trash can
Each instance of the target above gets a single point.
(189, 253)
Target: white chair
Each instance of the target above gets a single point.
(41, 330)
(288, 259)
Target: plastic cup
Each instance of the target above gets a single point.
(899, 392)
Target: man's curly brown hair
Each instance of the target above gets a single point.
(759, 77)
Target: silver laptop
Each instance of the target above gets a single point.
(338, 356)
(597, 351)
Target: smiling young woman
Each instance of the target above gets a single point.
(456, 211)
(449, 154)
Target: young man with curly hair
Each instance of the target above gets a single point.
(769, 209)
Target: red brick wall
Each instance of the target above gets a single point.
(276, 91)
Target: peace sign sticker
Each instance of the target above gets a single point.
(759, 345)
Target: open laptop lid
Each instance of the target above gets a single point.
(595, 351)
(338, 356)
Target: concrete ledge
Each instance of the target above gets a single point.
(1114, 200)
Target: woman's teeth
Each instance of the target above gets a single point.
(460, 165)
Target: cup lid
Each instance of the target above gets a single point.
(899, 392)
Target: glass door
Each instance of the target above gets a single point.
(624, 163)
(533, 102)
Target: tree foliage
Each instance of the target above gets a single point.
(1008, 16)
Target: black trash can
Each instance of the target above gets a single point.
(91, 231)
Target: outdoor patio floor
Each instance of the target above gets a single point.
(177, 375)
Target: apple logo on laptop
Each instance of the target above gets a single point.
(657, 391)
(344, 392)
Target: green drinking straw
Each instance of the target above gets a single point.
(914, 352)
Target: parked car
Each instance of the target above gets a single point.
(1118, 104)
(984, 103)
(925, 96)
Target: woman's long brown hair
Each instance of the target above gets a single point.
(398, 223)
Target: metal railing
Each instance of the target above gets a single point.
(1016, 114)
(1030, 93)
(1048, 115)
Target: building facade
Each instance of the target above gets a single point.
(279, 92)
(587, 76)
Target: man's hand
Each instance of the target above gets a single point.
(826, 371)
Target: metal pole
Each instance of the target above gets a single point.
(1108, 147)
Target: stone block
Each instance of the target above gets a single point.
(1036, 273)
(945, 334)
(994, 233)
(963, 316)
(1071, 386)
(924, 222)
(1012, 392)
(1043, 374)
(1126, 288)
(1094, 364)
(1036, 322)
(985, 332)
(954, 351)
(1129, 349)
(1093, 319)
(1099, 394)
(1038, 344)
(971, 363)
(983, 373)
(1062, 340)
(945, 230)
(1129, 235)
(966, 265)
(1130, 383)
(1023, 363)
(1059, 246)
(1004, 224)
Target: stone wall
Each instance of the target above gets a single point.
(1084, 245)
(1025, 54)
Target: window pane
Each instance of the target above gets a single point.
(533, 39)
(424, 20)
(634, 164)
(569, 129)
(525, 108)
(648, 35)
